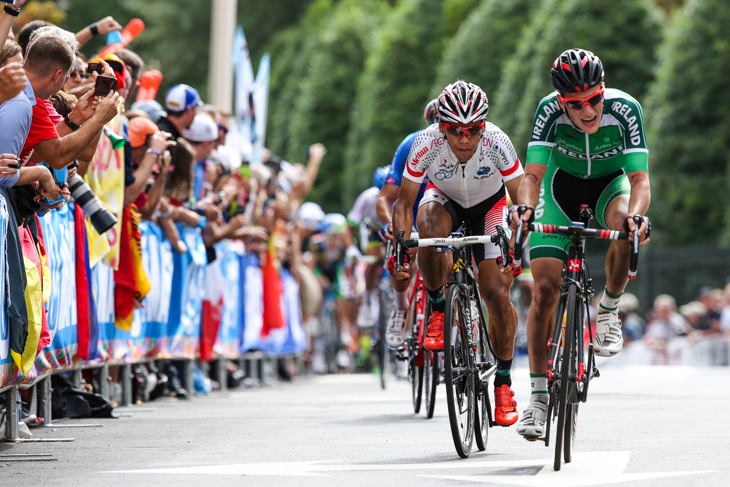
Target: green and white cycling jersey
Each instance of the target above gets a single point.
(619, 143)
(583, 168)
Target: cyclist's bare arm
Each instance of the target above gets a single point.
(403, 209)
(528, 193)
(639, 202)
(384, 203)
(513, 186)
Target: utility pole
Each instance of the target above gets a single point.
(220, 74)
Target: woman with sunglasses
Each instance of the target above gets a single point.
(587, 146)
(469, 163)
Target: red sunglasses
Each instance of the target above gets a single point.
(464, 131)
(580, 103)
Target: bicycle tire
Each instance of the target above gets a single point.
(382, 346)
(431, 369)
(572, 417)
(415, 349)
(482, 417)
(459, 384)
(568, 363)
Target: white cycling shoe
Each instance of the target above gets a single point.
(532, 424)
(395, 335)
(609, 339)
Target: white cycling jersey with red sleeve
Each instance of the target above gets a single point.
(494, 162)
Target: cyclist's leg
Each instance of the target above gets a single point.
(547, 254)
(434, 220)
(613, 208)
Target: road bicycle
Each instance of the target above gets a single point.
(468, 358)
(423, 364)
(571, 365)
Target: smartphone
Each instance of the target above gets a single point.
(91, 67)
(104, 84)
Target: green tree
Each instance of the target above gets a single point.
(263, 20)
(321, 110)
(625, 34)
(494, 28)
(291, 52)
(690, 127)
(396, 84)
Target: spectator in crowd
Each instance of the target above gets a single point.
(152, 108)
(48, 61)
(149, 160)
(704, 336)
(665, 331)
(182, 102)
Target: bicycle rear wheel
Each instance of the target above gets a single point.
(458, 376)
(431, 369)
(416, 352)
(565, 432)
(383, 314)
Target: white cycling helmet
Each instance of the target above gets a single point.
(310, 216)
(463, 102)
(335, 223)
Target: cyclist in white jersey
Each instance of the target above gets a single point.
(469, 161)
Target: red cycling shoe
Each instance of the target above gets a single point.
(505, 407)
(435, 332)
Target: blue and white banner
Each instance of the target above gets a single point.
(183, 325)
(229, 334)
(149, 324)
(261, 106)
(242, 137)
(253, 302)
(60, 239)
(6, 363)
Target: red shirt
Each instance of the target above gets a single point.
(41, 128)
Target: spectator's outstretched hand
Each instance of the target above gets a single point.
(107, 24)
(317, 152)
(161, 141)
(12, 81)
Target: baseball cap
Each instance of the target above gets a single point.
(182, 97)
(203, 129)
(151, 108)
(118, 66)
(139, 129)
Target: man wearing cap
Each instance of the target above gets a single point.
(202, 135)
(148, 150)
(181, 101)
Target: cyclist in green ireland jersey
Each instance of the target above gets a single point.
(587, 147)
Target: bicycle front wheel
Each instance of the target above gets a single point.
(565, 432)
(483, 360)
(415, 350)
(458, 374)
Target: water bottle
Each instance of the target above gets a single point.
(474, 322)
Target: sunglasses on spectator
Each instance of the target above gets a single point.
(580, 103)
(81, 75)
(223, 128)
(464, 131)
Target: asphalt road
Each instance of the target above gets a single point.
(648, 426)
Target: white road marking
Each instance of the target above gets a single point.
(592, 468)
